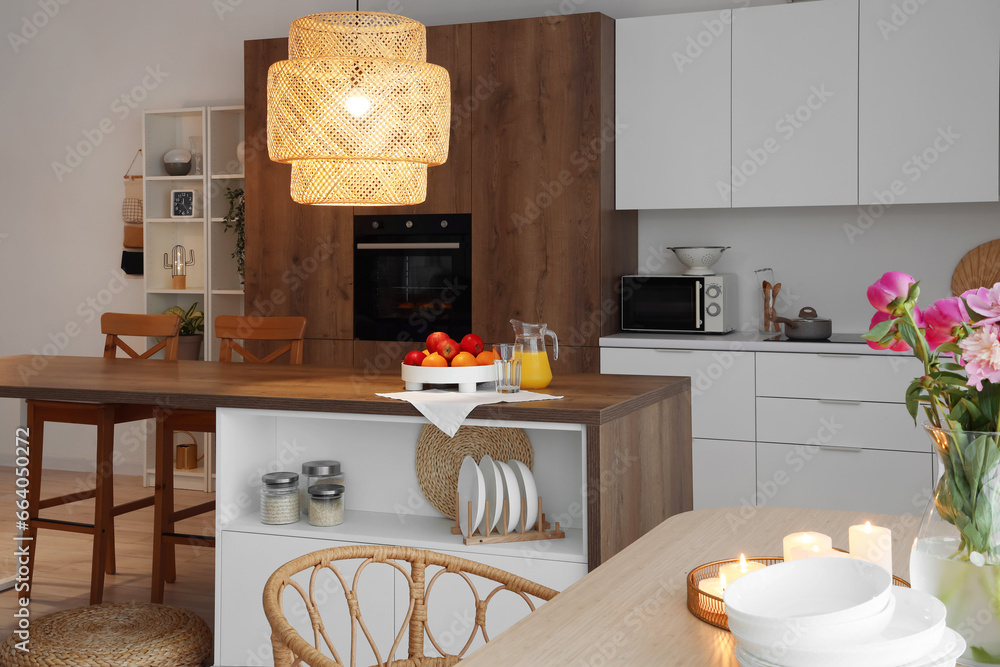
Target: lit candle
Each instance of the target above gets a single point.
(802, 553)
(871, 543)
(734, 571)
(808, 540)
(712, 586)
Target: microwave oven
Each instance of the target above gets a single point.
(677, 304)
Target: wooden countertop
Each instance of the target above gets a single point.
(632, 610)
(589, 399)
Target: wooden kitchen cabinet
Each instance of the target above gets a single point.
(299, 259)
(673, 107)
(929, 101)
(795, 104)
(548, 245)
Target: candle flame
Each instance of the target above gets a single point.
(868, 526)
(743, 563)
(722, 580)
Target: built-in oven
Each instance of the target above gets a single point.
(412, 276)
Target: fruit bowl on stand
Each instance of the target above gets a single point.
(466, 377)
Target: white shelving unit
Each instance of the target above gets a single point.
(383, 505)
(212, 281)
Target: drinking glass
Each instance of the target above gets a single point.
(507, 361)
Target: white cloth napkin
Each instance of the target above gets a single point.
(448, 409)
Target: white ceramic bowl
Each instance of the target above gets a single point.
(466, 377)
(698, 259)
(820, 595)
(916, 628)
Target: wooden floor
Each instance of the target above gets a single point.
(62, 566)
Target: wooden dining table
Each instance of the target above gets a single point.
(632, 610)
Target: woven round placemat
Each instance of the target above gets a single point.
(137, 634)
(979, 268)
(439, 458)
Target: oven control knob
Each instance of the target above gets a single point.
(713, 310)
(713, 291)
(376, 224)
(409, 224)
(444, 224)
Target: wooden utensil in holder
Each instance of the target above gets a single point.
(542, 530)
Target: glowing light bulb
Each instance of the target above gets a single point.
(357, 103)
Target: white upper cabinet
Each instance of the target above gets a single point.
(673, 110)
(795, 104)
(929, 101)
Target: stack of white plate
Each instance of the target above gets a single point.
(494, 481)
(833, 612)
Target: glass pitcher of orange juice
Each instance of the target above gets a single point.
(535, 370)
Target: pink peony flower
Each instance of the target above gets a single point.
(888, 288)
(986, 302)
(898, 345)
(944, 321)
(981, 355)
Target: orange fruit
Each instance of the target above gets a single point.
(485, 358)
(435, 359)
(464, 359)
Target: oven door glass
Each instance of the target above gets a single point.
(660, 303)
(406, 289)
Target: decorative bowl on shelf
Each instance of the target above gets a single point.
(466, 377)
(177, 162)
(698, 259)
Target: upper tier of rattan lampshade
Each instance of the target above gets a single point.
(380, 157)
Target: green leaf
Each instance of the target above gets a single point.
(950, 348)
(907, 332)
(982, 655)
(879, 331)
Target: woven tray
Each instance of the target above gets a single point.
(439, 458)
(979, 268)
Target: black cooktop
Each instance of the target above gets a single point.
(835, 338)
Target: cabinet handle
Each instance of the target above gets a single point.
(837, 401)
(673, 351)
(834, 448)
(838, 356)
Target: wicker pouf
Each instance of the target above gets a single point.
(135, 634)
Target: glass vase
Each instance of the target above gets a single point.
(956, 556)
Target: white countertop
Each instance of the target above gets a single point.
(747, 341)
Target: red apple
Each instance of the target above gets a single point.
(436, 339)
(448, 349)
(414, 358)
(472, 344)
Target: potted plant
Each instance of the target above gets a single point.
(234, 220)
(192, 331)
(956, 556)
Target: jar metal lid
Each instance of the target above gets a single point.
(280, 479)
(326, 491)
(321, 468)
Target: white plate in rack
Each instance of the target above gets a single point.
(526, 484)
(471, 488)
(466, 377)
(494, 493)
(512, 492)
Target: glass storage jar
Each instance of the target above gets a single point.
(326, 505)
(279, 498)
(318, 472)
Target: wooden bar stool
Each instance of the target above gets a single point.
(104, 417)
(229, 329)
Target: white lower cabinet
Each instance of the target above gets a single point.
(383, 505)
(723, 473)
(829, 477)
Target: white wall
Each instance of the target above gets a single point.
(65, 66)
(824, 257)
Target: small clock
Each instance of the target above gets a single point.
(182, 203)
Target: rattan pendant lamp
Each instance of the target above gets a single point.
(357, 111)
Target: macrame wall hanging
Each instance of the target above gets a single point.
(132, 219)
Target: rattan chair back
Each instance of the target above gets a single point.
(291, 649)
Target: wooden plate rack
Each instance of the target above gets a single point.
(542, 530)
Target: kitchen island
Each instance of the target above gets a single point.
(612, 460)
